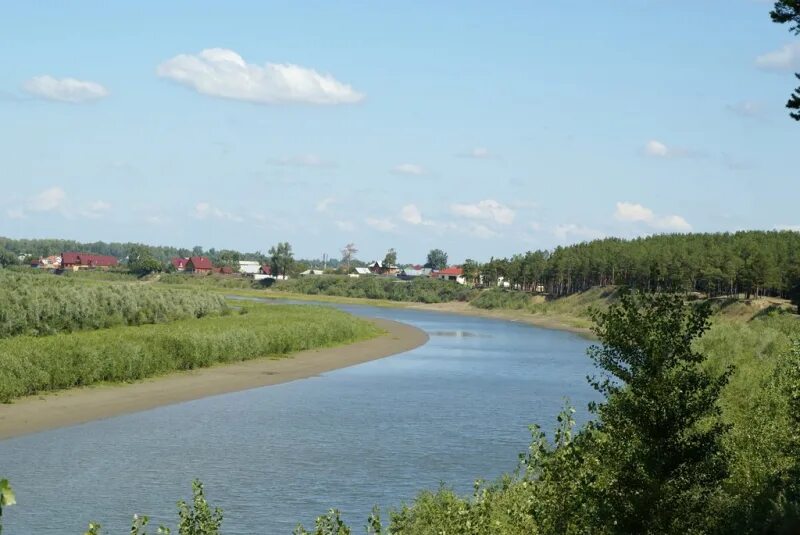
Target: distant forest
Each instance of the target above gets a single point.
(754, 263)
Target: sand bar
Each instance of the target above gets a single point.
(32, 414)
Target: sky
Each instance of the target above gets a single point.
(481, 128)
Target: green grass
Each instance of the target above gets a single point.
(207, 282)
(44, 305)
(31, 364)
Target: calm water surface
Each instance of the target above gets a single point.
(451, 411)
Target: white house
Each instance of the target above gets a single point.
(249, 267)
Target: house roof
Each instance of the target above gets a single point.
(362, 270)
(266, 269)
(88, 259)
(200, 262)
(178, 262)
(451, 272)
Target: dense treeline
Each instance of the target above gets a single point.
(422, 290)
(751, 263)
(31, 364)
(46, 304)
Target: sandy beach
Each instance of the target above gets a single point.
(69, 407)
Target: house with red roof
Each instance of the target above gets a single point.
(76, 261)
(199, 265)
(455, 274)
(179, 263)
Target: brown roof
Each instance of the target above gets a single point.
(451, 271)
(200, 262)
(87, 259)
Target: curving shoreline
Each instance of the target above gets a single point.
(75, 406)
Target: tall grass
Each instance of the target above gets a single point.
(31, 305)
(31, 364)
(423, 290)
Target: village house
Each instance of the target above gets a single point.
(249, 267)
(415, 272)
(199, 265)
(379, 268)
(312, 272)
(47, 262)
(359, 271)
(179, 263)
(455, 274)
(76, 261)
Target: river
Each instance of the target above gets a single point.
(453, 410)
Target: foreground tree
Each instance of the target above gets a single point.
(788, 11)
(281, 258)
(662, 454)
(437, 259)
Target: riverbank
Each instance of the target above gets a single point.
(32, 414)
(558, 321)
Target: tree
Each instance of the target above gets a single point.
(8, 258)
(142, 262)
(437, 259)
(7, 499)
(663, 451)
(348, 253)
(390, 259)
(229, 258)
(281, 258)
(788, 11)
(471, 270)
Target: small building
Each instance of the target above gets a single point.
(199, 265)
(249, 267)
(224, 270)
(379, 268)
(455, 274)
(76, 261)
(47, 262)
(179, 263)
(312, 272)
(414, 272)
(360, 271)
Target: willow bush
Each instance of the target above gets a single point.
(422, 290)
(44, 305)
(31, 364)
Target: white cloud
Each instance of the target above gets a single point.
(656, 149)
(408, 169)
(627, 211)
(480, 153)
(488, 209)
(155, 220)
(482, 231)
(15, 213)
(411, 214)
(324, 204)
(204, 210)
(746, 108)
(301, 160)
(344, 225)
(65, 89)
(220, 72)
(636, 213)
(569, 231)
(786, 58)
(96, 209)
(49, 200)
(383, 225)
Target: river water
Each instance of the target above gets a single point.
(453, 410)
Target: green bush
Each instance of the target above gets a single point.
(44, 305)
(31, 364)
(422, 290)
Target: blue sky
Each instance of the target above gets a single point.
(482, 128)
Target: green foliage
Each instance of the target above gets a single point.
(230, 282)
(391, 258)
(35, 364)
(142, 262)
(328, 524)
(7, 258)
(7, 499)
(437, 259)
(46, 304)
(281, 258)
(198, 518)
(421, 290)
(661, 416)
